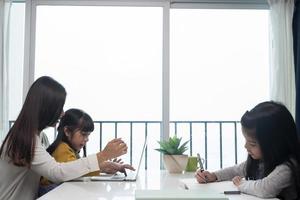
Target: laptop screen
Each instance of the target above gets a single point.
(131, 175)
(140, 160)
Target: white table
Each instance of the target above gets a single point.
(126, 190)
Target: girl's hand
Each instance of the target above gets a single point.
(237, 180)
(113, 167)
(113, 149)
(205, 176)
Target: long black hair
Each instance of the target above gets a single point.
(73, 120)
(273, 126)
(42, 107)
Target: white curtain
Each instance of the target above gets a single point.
(5, 6)
(282, 81)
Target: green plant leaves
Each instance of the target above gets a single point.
(172, 146)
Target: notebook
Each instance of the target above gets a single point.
(131, 175)
(169, 194)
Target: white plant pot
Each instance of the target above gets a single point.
(175, 163)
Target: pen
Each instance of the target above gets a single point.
(200, 162)
(232, 192)
(125, 173)
(201, 165)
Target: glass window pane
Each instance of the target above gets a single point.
(219, 69)
(108, 58)
(110, 61)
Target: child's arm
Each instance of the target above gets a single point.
(230, 172)
(205, 176)
(269, 186)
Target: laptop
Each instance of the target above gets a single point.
(131, 175)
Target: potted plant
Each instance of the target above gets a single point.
(174, 159)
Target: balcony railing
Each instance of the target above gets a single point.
(219, 142)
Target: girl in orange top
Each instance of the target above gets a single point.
(73, 134)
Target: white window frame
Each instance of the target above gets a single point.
(220, 4)
(30, 23)
(1, 70)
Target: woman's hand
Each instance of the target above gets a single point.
(117, 160)
(237, 180)
(113, 149)
(205, 176)
(110, 167)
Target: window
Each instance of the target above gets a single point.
(114, 62)
(219, 69)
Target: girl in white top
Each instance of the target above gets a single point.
(272, 168)
(23, 159)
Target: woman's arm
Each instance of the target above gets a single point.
(45, 165)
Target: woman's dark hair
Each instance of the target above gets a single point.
(74, 120)
(42, 107)
(273, 127)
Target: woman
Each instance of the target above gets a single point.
(23, 158)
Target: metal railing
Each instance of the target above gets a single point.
(205, 123)
(188, 131)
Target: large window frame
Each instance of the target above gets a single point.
(30, 23)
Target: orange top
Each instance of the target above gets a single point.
(64, 153)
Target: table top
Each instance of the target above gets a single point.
(147, 180)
